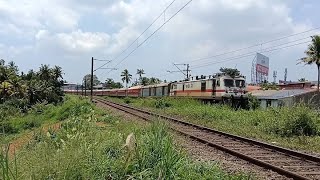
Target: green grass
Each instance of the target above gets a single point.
(81, 150)
(296, 127)
(16, 122)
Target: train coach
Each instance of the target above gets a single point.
(158, 90)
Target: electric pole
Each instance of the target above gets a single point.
(93, 70)
(85, 87)
(274, 77)
(91, 83)
(285, 75)
(187, 70)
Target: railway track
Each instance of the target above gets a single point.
(284, 161)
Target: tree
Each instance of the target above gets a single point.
(110, 84)
(27, 89)
(145, 81)
(154, 80)
(313, 55)
(140, 72)
(230, 71)
(87, 80)
(126, 77)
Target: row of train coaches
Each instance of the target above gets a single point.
(214, 87)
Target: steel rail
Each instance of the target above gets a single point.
(258, 162)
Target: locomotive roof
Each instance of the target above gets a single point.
(135, 87)
(196, 80)
(156, 85)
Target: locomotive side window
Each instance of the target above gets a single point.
(203, 86)
(218, 83)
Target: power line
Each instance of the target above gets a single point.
(271, 47)
(139, 35)
(248, 55)
(152, 34)
(258, 44)
(144, 30)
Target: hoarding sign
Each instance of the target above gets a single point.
(262, 65)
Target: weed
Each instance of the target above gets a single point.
(127, 100)
(161, 103)
(303, 125)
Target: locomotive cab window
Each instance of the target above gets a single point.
(203, 86)
(240, 83)
(229, 82)
(218, 83)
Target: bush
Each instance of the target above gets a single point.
(162, 103)
(253, 102)
(8, 128)
(303, 125)
(127, 100)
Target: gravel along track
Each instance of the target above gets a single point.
(286, 162)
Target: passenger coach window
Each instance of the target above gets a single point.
(203, 86)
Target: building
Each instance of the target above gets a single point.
(280, 98)
(71, 86)
(295, 85)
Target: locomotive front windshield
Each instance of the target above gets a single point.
(240, 83)
(229, 82)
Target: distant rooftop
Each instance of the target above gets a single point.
(278, 94)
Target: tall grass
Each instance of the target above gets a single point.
(295, 127)
(81, 150)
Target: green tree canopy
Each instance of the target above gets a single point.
(111, 84)
(35, 86)
(87, 81)
(313, 54)
(126, 77)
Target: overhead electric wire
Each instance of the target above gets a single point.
(272, 46)
(258, 44)
(248, 55)
(139, 35)
(152, 34)
(144, 30)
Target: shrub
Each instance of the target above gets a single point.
(302, 125)
(127, 100)
(8, 128)
(162, 103)
(253, 102)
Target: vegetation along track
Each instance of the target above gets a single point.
(284, 161)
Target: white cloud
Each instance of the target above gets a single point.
(56, 30)
(74, 43)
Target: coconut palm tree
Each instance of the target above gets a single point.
(313, 55)
(57, 72)
(126, 77)
(140, 72)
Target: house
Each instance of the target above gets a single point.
(279, 98)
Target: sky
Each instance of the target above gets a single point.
(68, 33)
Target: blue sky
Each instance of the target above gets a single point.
(69, 32)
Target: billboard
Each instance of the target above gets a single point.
(262, 64)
